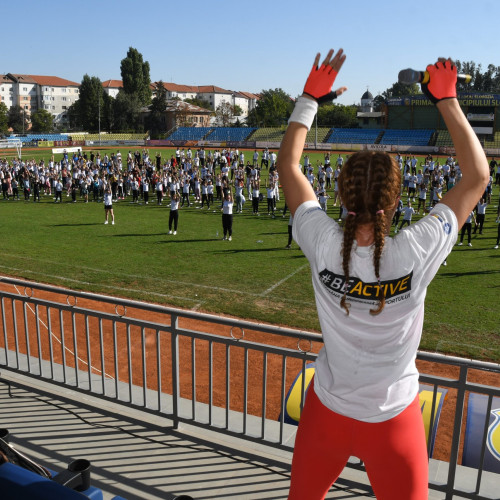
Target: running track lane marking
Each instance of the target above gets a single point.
(57, 338)
(280, 282)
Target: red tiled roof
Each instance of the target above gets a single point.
(194, 89)
(115, 84)
(248, 95)
(174, 87)
(212, 89)
(53, 81)
(173, 105)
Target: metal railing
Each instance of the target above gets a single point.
(222, 374)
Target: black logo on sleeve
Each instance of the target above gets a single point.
(369, 292)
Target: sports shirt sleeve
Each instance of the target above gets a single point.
(311, 226)
(430, 240)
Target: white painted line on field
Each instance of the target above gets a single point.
(280, 282)
(57, 338)
(64, 278)
(160, 280)
(157, 294)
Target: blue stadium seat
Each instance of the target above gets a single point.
(407, 137)
(189, 134)
(353, 136)
(230, 134)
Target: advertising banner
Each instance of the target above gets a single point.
(479, 416)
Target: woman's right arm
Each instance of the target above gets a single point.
(441, 89)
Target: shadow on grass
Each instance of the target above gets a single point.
(257, 250)
(76, 224)
(471, 273)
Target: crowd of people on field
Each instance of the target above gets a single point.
(204, 179)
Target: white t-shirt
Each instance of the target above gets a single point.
(366, 369)
(227, 207)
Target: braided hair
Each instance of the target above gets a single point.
(368, 184)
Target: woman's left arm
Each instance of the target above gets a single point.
(296, 186)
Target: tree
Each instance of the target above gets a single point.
(127, 113)
(4, 119)
(135, 76)
(17, 120)
(42, 121)
(273, 109)
(402, 89)
(224, 114)
(156, 118)
(489, 81)
(202, 103)
(337, 115)
(237, 111)
(89, 109)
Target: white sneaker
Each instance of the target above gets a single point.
(230, 238)
(460, 244)
(470, 244)
(495, 247)
(170, 232)
(112, 222)
(105, 222)
(175, 232)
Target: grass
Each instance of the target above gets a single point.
(252, 277)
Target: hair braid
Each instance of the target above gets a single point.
(379, 237)
(349, 236)
(368, 186)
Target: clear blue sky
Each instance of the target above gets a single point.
(246, 46)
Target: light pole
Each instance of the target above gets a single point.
(99, 119)
(316, 131)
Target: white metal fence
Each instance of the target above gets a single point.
(213, 372)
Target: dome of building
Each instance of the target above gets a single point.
(367, 95)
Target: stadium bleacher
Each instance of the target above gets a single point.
(108, 137)
(189, 134)
(322, 134)
(229, 134)
(443, 138)
(407, 137)
(494, 143)
(353, 136)
(41, 137)
(268, 134)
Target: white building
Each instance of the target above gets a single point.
(213, 95)
(34, 92)
(112, 87)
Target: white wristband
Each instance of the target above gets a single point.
(304, 112)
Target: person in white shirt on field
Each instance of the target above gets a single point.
(407, 212)
(108, 206)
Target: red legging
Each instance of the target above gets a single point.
(394, 452)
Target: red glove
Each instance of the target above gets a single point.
(442, 82)
(320, 80)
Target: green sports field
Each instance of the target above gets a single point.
(253, 277)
